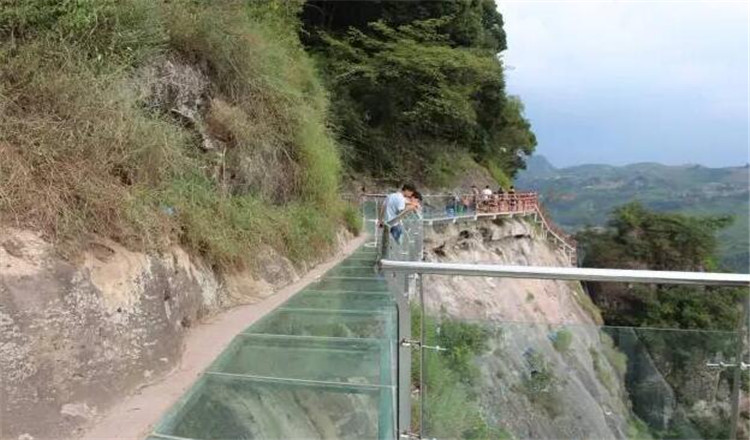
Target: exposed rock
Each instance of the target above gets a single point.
(75, 337)
(584, 396)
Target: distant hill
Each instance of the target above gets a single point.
(585, 195)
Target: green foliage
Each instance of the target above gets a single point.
(70, 77)
(465, 341)
(451, 408)
(603, 373)
(587, 304)
(107, 32)
(541, 386)
(616, 358)
(563, 340)
(663, 241)
(637, 430)
(353, 219)
(640, 238)
(447, 168)
(412, 81)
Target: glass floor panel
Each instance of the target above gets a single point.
(341, 300)
(331, 323)
(371, 255)
(353, 271)
(222, 407)
(321, 359)
(320, 366)
(371, 284)
(358, 262)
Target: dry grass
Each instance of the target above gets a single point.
(89, 146)
(76, 149)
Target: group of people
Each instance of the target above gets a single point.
(488, 200)
(398, 205)
(487, 192)
(479, 200)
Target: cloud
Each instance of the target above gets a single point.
(685, 61)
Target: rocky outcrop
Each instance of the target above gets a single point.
(550, 372)
(77, 335)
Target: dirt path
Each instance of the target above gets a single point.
(135, 416)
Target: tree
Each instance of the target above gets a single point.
(413, 82)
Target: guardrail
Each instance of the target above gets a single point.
(410, 275)
(453, 208)
(568, 273)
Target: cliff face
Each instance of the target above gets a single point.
(76, 336)
(549, 371)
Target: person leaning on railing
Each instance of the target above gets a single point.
(394, 206)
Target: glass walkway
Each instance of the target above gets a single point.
(320, 366)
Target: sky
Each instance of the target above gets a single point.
(627, 81)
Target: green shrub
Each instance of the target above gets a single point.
(638, 430)
(353, 219)
(603, 373)
(541, 386)
(616, 358)
(563, 339)
(452, 408)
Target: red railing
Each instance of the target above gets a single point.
(508, 203)
(505, 203)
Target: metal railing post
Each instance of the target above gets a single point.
(404, 359)
(737, 376)
(422, 343)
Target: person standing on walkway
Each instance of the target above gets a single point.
(395, 205)
(475, 198)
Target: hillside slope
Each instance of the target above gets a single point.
(548, 371)
(160, 123)
(585, 195)
(161, 161)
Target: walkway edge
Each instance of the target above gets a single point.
(135, 416)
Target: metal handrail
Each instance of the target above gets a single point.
(569, 273)
(411, 268)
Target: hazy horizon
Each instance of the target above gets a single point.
(626, 82)
(640, 162)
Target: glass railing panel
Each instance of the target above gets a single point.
(491, 379)
(743, 422)
(230, 407)
(342, 300)
(331, 323)
(365, 284)
(359, 262)
(308, 358)
(442, 206)
(410, 244)
(353, 271)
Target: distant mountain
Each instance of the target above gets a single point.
(584, 195)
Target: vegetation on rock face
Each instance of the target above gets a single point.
(451, 408)
(151, 123)
(419, 84)
(642, 239)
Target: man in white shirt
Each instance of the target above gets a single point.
(486, 193)
(394, 206)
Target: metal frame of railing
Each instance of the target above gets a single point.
(405, 270)
(492, 206)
